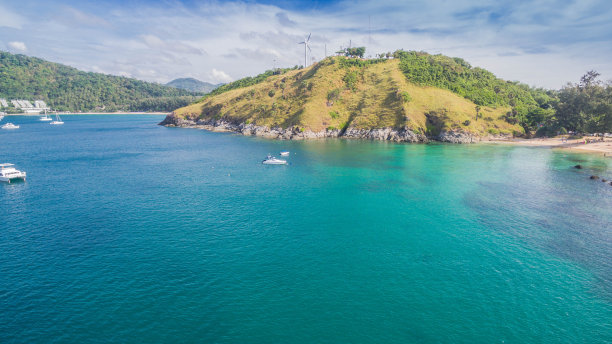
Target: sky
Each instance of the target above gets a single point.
(543, 43)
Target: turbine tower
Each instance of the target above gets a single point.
(306, 45)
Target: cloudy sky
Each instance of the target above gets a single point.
(542, 43)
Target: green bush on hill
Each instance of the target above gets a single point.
(530, 106)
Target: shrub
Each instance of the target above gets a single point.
(562, 131)
(333, 94)
(467, 122)
(333, 114)
(272, 93)
(331, 128)
(405, 97)
(350, 79)
(488, 119)
(493, 131)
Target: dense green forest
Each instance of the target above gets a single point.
(68, 89)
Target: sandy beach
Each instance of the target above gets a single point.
(577, 145)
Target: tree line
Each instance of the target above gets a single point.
(68, 89)
(585, 107)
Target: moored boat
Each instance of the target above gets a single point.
(284, 153)
(270, 160)
(58, 120)
(45, 118)
(10, 126)
(8, 173)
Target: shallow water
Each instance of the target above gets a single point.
(130, 232)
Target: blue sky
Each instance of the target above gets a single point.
(542, 43)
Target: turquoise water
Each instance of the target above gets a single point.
(133, 233)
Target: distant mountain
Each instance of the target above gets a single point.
(67, 88)
(193, 85)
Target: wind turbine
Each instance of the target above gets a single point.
(306, 45)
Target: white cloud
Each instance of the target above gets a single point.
(18, 47)
(10, 19)
(220, 76)
(543, 42)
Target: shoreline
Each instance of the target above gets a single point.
(577, 145)
(388, 134)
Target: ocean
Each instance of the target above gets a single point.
(129, 232)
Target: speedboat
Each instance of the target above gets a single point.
(284, 153)
(8, 173)
(270, 160)
(10, 126)
(45, 118)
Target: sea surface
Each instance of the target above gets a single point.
(128, 232)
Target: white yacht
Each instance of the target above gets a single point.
(10, 126)
(45, 118)
(58, 120)
(284, 153)
(270, 160)
(8, 173)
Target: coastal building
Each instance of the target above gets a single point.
(3, 102)
(27, 107)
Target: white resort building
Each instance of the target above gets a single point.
(26, 106)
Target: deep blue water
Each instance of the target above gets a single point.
(134, 233)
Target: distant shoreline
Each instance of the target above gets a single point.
(575, 145)
(90, 113)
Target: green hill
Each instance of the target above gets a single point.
(66, 88)
(415, 92)
(194, 85)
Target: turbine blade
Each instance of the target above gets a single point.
(308, 39)
(309, 48)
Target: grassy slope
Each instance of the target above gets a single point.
(299, 98)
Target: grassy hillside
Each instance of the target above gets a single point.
(194, 85)
(66, 88)
(339, 93)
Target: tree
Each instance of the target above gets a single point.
(355, 52)
(586, 106)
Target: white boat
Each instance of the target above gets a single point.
(10, 126)
(45, 118)
(270, 160)
(58, 120)
(8, 173)
(284, 153)
(2, 115)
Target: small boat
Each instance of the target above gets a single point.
(8, 173)
(58, 120)
(45, 118)
(270, 160)
(10, 126)
(284, 153)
